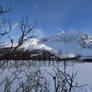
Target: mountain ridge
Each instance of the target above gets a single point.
(69, 44)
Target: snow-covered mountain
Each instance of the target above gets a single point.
(33, 44)
(29, 45)
(72, 36)
(70, 43)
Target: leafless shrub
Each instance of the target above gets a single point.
(4, 11)
(32, 80)
(64, 82)
(35, 82)
(8, 81)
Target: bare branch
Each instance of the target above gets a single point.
(11, 39)
(2, 11)
(25, 29)
(3, 29)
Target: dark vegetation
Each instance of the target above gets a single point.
(5, 54)
(37, 54)
(87, 60)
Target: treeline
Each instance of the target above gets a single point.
(37, 54)
(6, 54)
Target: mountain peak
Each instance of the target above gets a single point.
(70, 36)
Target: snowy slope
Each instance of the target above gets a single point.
(33, 44)
(30, 45)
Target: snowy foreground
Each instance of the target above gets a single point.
(20, 75)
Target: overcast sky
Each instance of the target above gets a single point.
(53, 15)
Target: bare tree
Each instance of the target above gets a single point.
(25, 29)
(5, 24)
(2, 11)
(3, 30)
(11, 39)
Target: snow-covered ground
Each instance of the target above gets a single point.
(84, 75)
